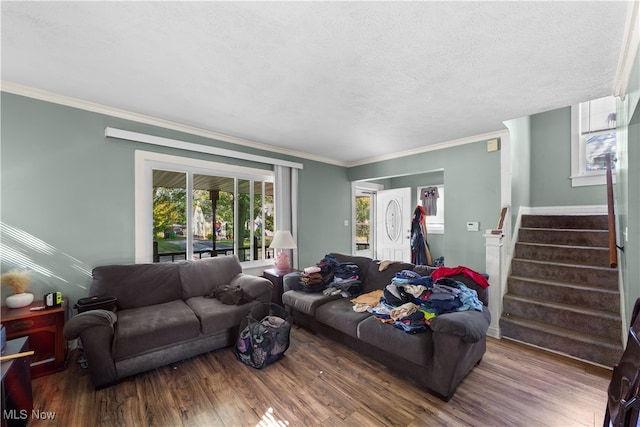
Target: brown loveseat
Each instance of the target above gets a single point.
(437, 359)
(162, 314)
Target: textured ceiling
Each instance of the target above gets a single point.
(346, 81)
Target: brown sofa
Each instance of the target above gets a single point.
(162, 314)
(437, 359)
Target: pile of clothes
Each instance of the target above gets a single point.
(346, 281)
(410, 301)
(332, 278)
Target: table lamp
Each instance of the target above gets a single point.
(283, 240)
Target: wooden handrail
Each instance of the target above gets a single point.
(613, 248)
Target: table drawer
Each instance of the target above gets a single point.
(30, 323)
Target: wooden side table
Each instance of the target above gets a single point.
(17, 396)
(275, 276)
(44, 329)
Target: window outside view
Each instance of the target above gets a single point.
(598, 131)
(217, 202)
(363, 222)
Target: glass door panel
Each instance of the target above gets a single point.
(245, 219)
(364, 234)
(169, 215)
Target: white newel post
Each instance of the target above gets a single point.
(494, 261)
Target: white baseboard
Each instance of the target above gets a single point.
(494, 333)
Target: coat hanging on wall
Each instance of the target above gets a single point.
(420, 254)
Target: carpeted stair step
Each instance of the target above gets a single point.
(562, 294)
(578, 319)
(601, 277)
(554, 236)
(565, 293)
(583, 222)
(579, 345)
(581, 255)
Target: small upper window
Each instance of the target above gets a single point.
(434, 220)
(593, 137)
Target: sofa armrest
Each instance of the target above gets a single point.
(95, 330)
(89, 319)
(255, 287)
(291, 282)
(469, 325)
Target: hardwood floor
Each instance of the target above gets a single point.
(319, 382)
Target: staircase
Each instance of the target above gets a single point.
(562, 294)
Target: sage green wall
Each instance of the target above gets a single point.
(472, 182)
(551, 164)
(627, 191)
(520, 135)
(67, 193)
(629, 265)
(324, 205)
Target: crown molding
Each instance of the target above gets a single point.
(630, 45)
(43, 95)
(434, 147)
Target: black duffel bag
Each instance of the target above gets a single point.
(103, 302)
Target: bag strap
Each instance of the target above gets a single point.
(280, 311)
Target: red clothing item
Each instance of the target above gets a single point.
(453, 271)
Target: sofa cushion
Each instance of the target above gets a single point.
(416, 348)
(147, 328)
(370, 275)
(200, 277)
(215, 316)
(339, 315)
(137, 285)
(305, 302)
(380, 279)
(257, 288)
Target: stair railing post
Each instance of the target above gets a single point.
(494, 254)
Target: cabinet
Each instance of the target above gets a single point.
(44, 329)
(275, 276)
(17, 397)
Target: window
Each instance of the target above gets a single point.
(593, 137)
(200, 209)
(435, 223)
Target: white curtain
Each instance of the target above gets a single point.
(286, 204)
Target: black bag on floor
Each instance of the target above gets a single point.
(264, 335)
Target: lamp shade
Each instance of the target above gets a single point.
(283, 240)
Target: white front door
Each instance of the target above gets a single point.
(393, 224)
